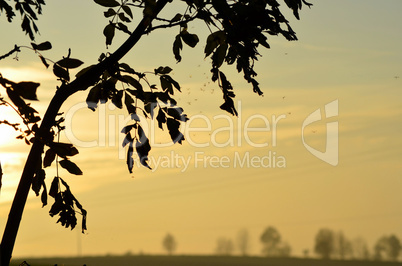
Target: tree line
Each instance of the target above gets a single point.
(328, 244)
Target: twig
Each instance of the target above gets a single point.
(16, 49)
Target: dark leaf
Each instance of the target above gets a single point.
(177, 113)
(71, 167)
(232, 55)
(142, 147)
(29, 10)
(50, 155)
(135, 117)
(161, 117)
(127, 139)
(117, 99)
(126, 68)
(38, 180)
(123, 28)
(69, 63)
(166, 84)
(15, 98)
(107, 3)
(132, 81)
(26, 26)
(130, 160)
(35, 27)
(256, 87)
(42, 46)
(44, 61)
(163, 96)
(84, 220)
(213, 41)
(26, 89)
(189, 39)
(54, 187)
(206, 16)
(176, 18)
(128, 11)
(228, 106)
(127, 129)
(163, 70)
(149, 108)
(219, 55)
(94, 96)
(26, 111)
(262, 39)
(44, 196)
(124, 18)
(61, 72)
(174, 83)
(175, 134)
(82, 71)
(57, 205)
(63, 149)
(109, 33)
(109, 13)
(128, 102)
(9, 10)
(177, 47)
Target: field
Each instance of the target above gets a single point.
(193, 261)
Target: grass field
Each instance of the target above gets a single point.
(194, 261)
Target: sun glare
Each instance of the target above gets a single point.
(33, 73)
(7, 136)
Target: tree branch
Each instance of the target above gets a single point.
(81, 83)
(171, 25)
(16, 49)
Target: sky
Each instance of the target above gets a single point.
(320, 149)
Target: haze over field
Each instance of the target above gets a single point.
(231, 173)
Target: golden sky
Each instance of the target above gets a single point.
(226, 176)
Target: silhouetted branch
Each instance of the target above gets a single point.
(170, 25)
(16, 49)
(67, 89)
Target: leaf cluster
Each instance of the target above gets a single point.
(150, 102)
(119, 15)
(65, 205)
(61, 68)
(244, 26)
(18, 92)
(238, 29)
(29, 11)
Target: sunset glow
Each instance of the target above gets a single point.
(320, 149)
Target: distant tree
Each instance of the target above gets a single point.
(360, 249)
(270, 239)
(306, 252)
(237, 32)
(243, 242)
(284, 250)
(387, 248)
(342, 246)
(273, 245)
(224, 246)
(169, 244)
(324, 243)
